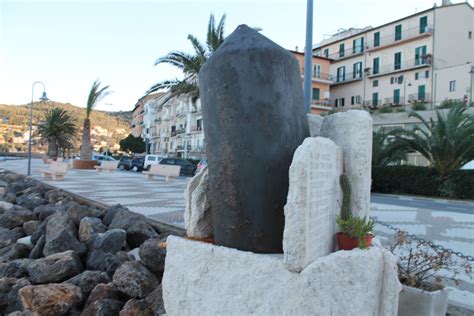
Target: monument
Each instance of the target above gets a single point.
(254, 119)
(261, 162)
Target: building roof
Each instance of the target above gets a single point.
(146, 98)
(330, 41)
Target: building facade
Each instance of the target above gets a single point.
(320, 82)
(423, 58)
(174, 128)
(138, 111)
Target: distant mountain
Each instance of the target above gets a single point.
(117, 124)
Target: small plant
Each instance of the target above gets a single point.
(356, 231)
(418, 265)
(418, 106)
(449, 103)
(385, 109)
(400, 110)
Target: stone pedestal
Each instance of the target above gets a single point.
(204, 279)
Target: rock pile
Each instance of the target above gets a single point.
(58, 256)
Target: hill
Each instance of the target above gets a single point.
(108, 127)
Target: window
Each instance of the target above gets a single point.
(315, 93)
(355, 99)
(420, 53)
(417, 75)
(423, 24)
(336, 103)
(376, 39)
(396, 96)
(375, 99)
(358, 45)
(341, 50)
(452, 86)
(352, 100)
(317, 71)
(326, 52)
(376, 66)
(341, 101)
(392, 80)
(375, 83)
(341, 74)
(427, 74)
(422, 74)
(357, 70)
(397, 61)
(398, 32)
(421, 92)
(469, 35)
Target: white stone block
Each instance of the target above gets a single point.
(203, 279)
(314, 196)
(315, 122)
(197, 213)
(352, 131)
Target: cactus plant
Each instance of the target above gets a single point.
(346, 211)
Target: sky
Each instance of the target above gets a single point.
(67, 44)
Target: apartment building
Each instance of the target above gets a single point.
(426, 57)
(173, 128)
(320, 82)
(137, 113)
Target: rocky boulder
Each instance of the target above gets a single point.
(50, 299)
(7, 237)
(135, 307)
(13, 252)
(153, 256)
(88, 280)
(30, 227)
(31, 201)
(9, 298)
(134, 279)
(55, 268)
(15, 269)
(89, 228)
(61, 236)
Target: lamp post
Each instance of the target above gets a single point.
(308, 55)
(405, 92)
(471, 95)
(43, 98)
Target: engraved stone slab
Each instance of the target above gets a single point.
(313, 203)
(352, 131)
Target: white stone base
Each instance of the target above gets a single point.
(203, 279)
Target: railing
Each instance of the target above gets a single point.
(173, 133)
(351, 51)
(181, 131)
(351, 76)
(394, 101)
(412, 63)
(373, 103)
(416, 97)
(196, 128)
(323, 102)
(406, 34)
(320, 75)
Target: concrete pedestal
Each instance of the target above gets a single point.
(204, 279)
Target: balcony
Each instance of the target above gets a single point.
(180, 131)
(406, 36)
(373, 104)
(394, 101)
(425, 61)
(419, 98)
(348, 77)
(347, 53)
(196, 129)
(320, 77)
(173, 133)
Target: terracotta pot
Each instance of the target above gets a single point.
(345, 242)
(83, 164)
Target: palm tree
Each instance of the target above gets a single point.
(190, 64)
(58, 130)
(383, 152)
(447, 143)
(96, 94)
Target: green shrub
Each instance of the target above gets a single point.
(418, 106)
(448, 103)
(401, 110)
(423, 181)
(385, 109)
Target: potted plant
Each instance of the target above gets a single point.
(418, 266)
(354, 231)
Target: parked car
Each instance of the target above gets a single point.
(102, 158)
(136, 164)
(124, 163)
(187, 167)
(201, 164)
(152, 160)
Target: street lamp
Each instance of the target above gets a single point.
(472, 86)
(405, 92)
(43, 98)
(308, 55)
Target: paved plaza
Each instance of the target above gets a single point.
(446, 223)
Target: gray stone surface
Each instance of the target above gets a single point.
(313, 202)
(55, 268)
(254, 117)
(88, 280)
(197, 214)
(9, 298)
(153, 256)
(89, 228)
(61, 235)
(134, 279)
(352, 131)
(204, 279)
(50, 299)
(315, 122)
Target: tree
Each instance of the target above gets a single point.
(447, 143)
(190, 64)
(132, 144)
(58, 130)
(96, 94)
(383, 152)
